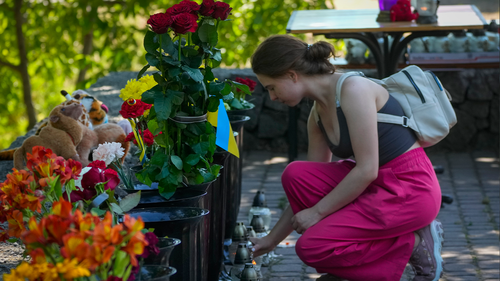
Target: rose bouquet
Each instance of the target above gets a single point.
(67, 245)
(181, 45)
(26, 193)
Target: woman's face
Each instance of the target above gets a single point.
(284, 89)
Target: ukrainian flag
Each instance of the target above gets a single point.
(224, 137)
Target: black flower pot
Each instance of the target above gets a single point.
(217, 217)
(234, 167)
(182, 223)
(185, 198)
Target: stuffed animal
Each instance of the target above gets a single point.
(96, 109)
(103, 133)
(94, 113)
(62, 135)
(401, 11)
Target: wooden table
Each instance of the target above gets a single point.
(362, 25)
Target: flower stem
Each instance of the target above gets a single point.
(178, 141)
(180, 42)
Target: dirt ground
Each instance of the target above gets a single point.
(489, 8)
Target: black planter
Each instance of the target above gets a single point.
(217, 216)
(182, 223)
(234, 167)
(184, 198)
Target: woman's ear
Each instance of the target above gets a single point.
(292, 75)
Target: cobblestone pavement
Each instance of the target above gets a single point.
(471, 222)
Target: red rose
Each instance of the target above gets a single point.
(160, 22)
(184, 22)
(130, 137)
(97, 164)
(221, 11)
(94, 176)
(207, 8)
(134, 109)
(147, 137)
(186, 6)
(247, 81)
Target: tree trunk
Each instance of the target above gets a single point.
(87, 47)
(23, 66)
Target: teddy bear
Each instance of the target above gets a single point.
(401, 11)
(62, 135)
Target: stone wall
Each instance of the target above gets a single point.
(475, 97)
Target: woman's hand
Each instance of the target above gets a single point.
(262, 245)
(305, 219)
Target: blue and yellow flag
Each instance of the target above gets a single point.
(224, 137)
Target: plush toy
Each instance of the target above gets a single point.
(401, 11)
(96, 109)
(103, 133)
(94, 114)
(62, 135)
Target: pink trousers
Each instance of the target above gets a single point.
(371, 238)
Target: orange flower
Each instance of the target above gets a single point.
(135, 247)
(16, 224)
(75, 247)
(100, 255)
(20, 177)
(40, 154)
(56, 228)
(26, 201)
(38, 256)
(132, 225)
(85, 223)
(105, 234)
(62, 208)
(35, 232)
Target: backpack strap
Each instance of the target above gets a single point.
(393, 119)
(341, 81)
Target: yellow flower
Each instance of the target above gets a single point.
(70, 269)
(148, 81)
(134, 88)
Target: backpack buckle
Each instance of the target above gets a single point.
(405, 121)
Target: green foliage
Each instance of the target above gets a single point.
(55, 32)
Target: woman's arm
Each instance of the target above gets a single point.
(359, 107)
(280, 231)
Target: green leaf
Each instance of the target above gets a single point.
(152, 59)
(213, 104)
(176, 96)
(208, 33)
(166, 189)
(192, 159)
(163, 106)
(143, 70)
(153, 127)
(159, 158)
(148, 96)
(122, 260)
(116, 209)
(159, 79)
(149, 43)
(98, 212)
(209, 75)
(177, 161)
(167, 45)
(195, 74)
(236, 104)
(130, 201)
(173, 71)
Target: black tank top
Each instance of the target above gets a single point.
(393, 140)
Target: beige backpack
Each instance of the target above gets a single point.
(425, 102)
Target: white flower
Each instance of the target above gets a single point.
(108, 152)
